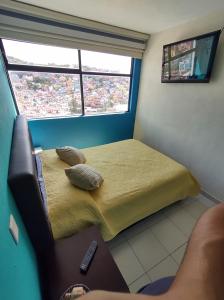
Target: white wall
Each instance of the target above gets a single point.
(185, 120)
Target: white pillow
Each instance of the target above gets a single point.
(84, 177)
(72, 156)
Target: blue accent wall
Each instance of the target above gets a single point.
(86, 131)
(18, 269)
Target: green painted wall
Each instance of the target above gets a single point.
(18, 269)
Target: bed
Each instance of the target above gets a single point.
(138, 181)
(58, 261)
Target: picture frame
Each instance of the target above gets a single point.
(190, 60)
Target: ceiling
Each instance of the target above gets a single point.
(147, 16)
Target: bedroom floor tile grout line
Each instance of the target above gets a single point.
(155, 222)
(126, 237)
(186, 235)
(163, 215)
(170, 253)
(136, 258)
(147, 225)
(123, 236)
(161, 242)
(154, 266)
(162, 246)
(146, 272)
(182, 207)
(210, 197)
(179, 247)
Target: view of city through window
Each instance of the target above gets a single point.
(41, 95)
(53, 89)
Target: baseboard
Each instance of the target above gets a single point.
(210, 197)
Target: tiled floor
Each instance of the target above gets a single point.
(154, 247)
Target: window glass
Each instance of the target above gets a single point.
(41, 95)
(105, 81)
(105, 94)
(40, 55)
(105, 63)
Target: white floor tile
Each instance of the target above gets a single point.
(195, 209)
(187, 200)
(206, 201)
(139, 283)
(127, 262)
(169, 235)
(179, 254)
(149, 242)
(182, 219)
(167, 267)
(143, 224)
(116, 241)
(148, 249)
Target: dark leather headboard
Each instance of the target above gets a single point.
(22, 179)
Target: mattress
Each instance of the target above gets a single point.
(138, 181)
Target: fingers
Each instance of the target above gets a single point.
(102, 295)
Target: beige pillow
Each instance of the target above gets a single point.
(84, 177)
(71, 155)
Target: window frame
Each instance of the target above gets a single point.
(62, 70)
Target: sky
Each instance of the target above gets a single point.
(42, 54)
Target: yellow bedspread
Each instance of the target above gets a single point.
(138, 181)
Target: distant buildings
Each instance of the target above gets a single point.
(41, 95)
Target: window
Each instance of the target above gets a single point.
(51, 81)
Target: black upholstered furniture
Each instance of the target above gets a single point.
(22, 179)
(58, 260)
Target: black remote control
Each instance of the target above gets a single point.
(88, 257)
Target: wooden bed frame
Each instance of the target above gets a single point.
(59, 260)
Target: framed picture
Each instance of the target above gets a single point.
(190, 60)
